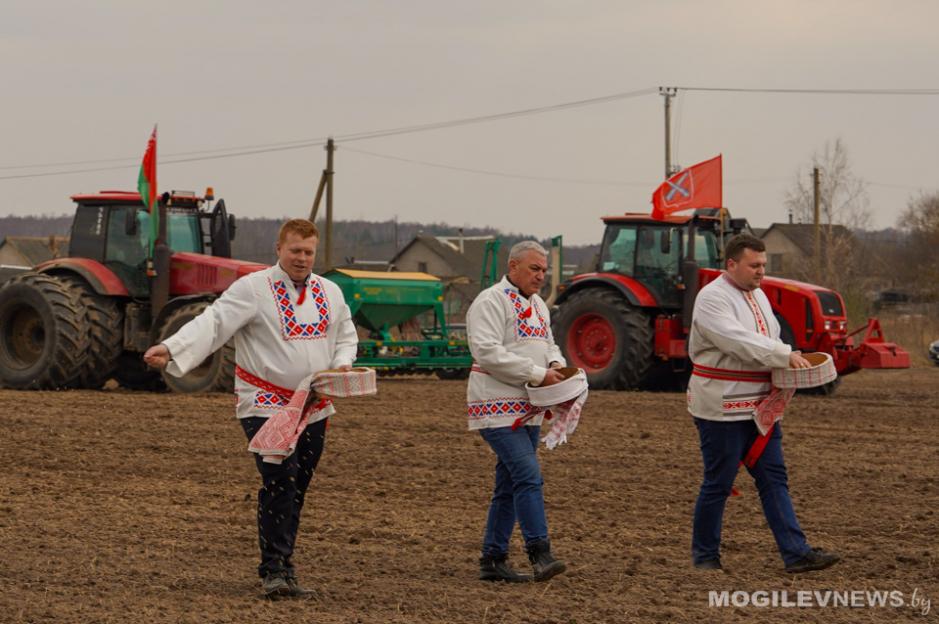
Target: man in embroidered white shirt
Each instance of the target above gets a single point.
(287, 323)
(734, 343)
(509, 331)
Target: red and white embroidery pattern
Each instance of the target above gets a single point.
(291, 328)
(757, 313)
(269, 400)
(525, 329)
(740, 405)
(499, 407)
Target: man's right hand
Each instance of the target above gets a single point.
(157, 356)
(552, 377)
(797, 361)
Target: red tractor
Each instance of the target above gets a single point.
(77, 321)
(627, 323)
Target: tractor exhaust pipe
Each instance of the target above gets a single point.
(689, 280)
(160, 283)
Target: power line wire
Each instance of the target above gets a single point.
(502, 174)
(162, 162)
(914, 92)
(348, 137)
(285, 144)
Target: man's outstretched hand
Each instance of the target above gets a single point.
(157, 356)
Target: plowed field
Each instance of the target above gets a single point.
(130, 507)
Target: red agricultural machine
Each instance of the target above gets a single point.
(627, 323)
(77, 321)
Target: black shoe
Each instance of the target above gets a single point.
(543, 563)
(274, 585)
(709, 564)
(815, 559)
(497, 568)
(297, 590)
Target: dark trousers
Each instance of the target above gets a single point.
(280, 498)
(723, 446)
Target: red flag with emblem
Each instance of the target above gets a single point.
(698, 186)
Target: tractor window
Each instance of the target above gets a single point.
(650, 259)
(655, 268)
(183, 232)
(705, 249)
(127, 250)
(619, 250)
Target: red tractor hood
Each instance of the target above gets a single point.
(709, 275)
(192, 273)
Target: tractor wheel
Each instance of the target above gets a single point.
(452, 373)
(611, 340)
(216, 373)
(43, 334)
(826, 390)
(105, 320)
(133, 374)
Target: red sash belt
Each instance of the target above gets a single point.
(727, 374)
(280, 391)
(476, 369)
(759, 445)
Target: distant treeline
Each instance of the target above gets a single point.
(355, 240)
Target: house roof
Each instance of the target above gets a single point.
(469, 263)
(36, 249)
(802, 235)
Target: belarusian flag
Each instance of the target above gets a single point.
(147, 185)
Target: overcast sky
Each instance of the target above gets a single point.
(86, 81)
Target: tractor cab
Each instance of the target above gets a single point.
(113, 227)
(653, 252)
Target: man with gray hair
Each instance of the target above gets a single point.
(509, 331)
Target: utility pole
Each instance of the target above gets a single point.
(326, 183)
(818, 226)
(330, 149)
(396, 234)
(668, 93)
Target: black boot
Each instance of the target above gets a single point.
(497, 568)
(543, 563)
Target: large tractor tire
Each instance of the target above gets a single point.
(43, 334)
(611, 340)
(104, 317)
(216, 373)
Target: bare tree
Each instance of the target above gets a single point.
(843, 195)
(844, 208)
(918, 258)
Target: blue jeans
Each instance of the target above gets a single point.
(723, 446)
(518, 489)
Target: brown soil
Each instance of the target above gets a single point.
(130, 507)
